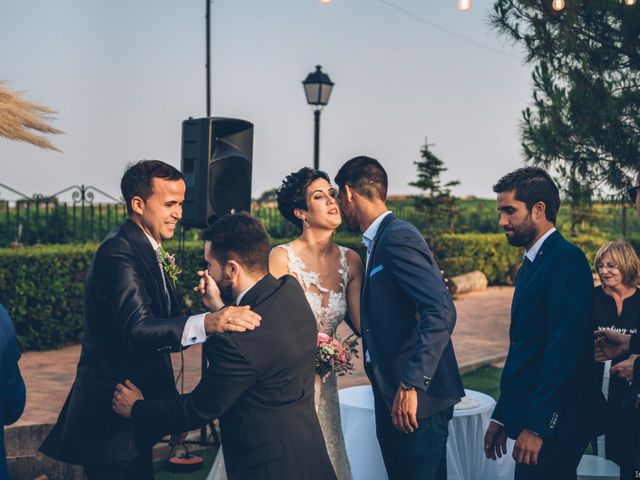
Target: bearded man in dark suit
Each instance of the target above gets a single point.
(548, 393)
(260, 384)
(132, 322)
(407, 318)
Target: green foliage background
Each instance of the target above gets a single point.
(42, 285)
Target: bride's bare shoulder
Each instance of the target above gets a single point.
(278, 261)
(352, 257)
(354, 263)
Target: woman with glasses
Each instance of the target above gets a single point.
(616, 306)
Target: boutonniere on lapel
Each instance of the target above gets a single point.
(169, 265)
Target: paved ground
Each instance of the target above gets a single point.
(480, 337)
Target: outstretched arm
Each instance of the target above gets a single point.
(118, 282)
(229, 375)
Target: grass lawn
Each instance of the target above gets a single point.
(485, 379)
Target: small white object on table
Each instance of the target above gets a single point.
(465, 456)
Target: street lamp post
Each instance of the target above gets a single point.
(317, 88)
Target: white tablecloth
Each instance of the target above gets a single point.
(465, 458)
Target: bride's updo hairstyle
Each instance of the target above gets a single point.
(292, 192)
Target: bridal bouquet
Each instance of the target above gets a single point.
(335, 356)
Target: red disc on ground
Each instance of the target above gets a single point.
(185, 463)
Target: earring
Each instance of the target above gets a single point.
(306, 223)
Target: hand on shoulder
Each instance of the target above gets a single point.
(231, 319)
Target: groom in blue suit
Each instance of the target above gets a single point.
(407, 318)
(548, 393)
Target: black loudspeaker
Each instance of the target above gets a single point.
(216, 164)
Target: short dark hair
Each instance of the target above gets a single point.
(292, 192)
(239, 237)
(365, 175)
(137, 181)
(532, 185)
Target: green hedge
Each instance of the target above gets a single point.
(492, 254)
(42, 286)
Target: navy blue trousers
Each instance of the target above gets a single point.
(421, 455)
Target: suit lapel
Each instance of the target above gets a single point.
(522, 284)
(143, 249)
(174, 297)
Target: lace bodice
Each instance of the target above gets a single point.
(328, 306)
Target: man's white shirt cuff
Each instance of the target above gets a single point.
(194, 330)
(496, 421)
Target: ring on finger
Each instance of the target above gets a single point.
(229, 320)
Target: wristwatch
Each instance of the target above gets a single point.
(406, 387)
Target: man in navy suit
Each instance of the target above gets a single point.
(407, 318)
(12, 390)
(547, 389)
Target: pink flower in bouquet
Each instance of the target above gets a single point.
(334, 356)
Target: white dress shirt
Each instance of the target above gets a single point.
(241, 295)
(367, 238)
(370, 233)
(533, 251)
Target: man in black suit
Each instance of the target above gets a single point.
(131, 323)
(260, 384)
(547, 391)
(407, 319)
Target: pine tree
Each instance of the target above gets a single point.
(436, 201)
(585, 119)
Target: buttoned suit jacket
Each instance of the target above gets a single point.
(407, 317)
(260, 384)
(129, 331)
(547, 384)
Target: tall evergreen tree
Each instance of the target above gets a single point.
(436, 201)
(585, 117)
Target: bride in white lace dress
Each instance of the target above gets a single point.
(330, 276)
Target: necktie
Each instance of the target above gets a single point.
(367, 244)
(522, 271)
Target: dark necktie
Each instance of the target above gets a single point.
(522, 271)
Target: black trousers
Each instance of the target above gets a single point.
(137, 468)
(421, 455)
(558, 460)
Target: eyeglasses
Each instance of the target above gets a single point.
(633, 193)
(608, 266)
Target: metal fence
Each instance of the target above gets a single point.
(46, 219)
(40, 219)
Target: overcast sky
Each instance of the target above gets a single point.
(123, 74)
